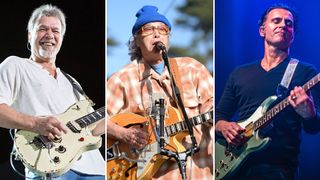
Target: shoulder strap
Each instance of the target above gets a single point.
(176, 75)
(76, 87)
(286, 79)
(282, 89)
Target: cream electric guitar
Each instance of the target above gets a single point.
(44, 156)
(125, 162)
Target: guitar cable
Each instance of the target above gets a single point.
(14, 153)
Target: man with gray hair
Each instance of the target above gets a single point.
(33, 90)
(136, 87)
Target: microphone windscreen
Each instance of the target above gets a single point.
(160, 46)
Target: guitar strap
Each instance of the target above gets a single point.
(176, 76)
(76, 87)
(287, 77)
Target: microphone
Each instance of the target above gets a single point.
(160, 46)
(162, 116)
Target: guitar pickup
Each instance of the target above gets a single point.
(74, 127)
(42, 142)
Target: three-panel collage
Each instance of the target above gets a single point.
(151, 89)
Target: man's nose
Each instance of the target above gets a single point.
(49, 34)
(283, 23)
(156, 32)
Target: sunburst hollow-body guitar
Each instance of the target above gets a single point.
(125, 162)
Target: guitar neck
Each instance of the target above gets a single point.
(91, 118)
(266, 118)
(182, 125)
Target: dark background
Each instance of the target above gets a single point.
(237, 41)
(82, 54)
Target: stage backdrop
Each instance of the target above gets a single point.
(237, 42)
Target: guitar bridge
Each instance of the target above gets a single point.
(42, 142)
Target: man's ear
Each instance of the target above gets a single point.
(262, 31)
(29, 37)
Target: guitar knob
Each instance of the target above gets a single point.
(231, 157)
(57, 139)
(227, 153)
(113, 170)
(56, 159)
(61, 149)
(217, 172)
(222, 163)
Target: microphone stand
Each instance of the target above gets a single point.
(161, 122)
(181, 158)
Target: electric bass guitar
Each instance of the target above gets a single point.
(55, 157)
(125, 162)
(228, 158)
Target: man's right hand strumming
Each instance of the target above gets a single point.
(135, 137)
(49, 126)
(231, 131)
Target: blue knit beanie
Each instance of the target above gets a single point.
(146, 15)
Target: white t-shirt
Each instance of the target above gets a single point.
(30, 89)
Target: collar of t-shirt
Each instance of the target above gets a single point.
(158, 67)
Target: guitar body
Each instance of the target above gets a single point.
(128, 163)
(146, 170)
(118, 165)
(228, 159)
(56, 157)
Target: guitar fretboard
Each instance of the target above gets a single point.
(182, 125)
(266, 118)
(87, 120)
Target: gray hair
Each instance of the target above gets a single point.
(49, 11)
(134, 50)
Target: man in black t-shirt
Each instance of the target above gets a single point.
(249, 85)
